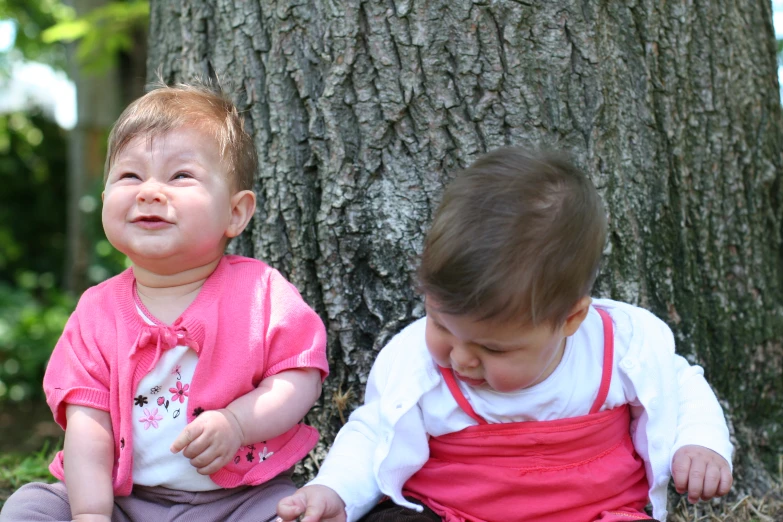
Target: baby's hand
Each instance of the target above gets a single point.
(314, 503)
(701, 472)
(210, 441)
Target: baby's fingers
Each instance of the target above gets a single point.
(696, 477)
(711, 482)
(291, 507)
(681, 466)
(212, 467)
(310, 508)
(185, 437)
(725, 480)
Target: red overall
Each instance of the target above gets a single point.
(581, 469)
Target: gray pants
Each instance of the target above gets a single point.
(38, 502)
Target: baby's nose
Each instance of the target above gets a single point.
(463, 357)
(151, 192)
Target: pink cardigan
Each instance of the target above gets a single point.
(246, 324)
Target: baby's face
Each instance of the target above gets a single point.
(167, 202)
(504, 356)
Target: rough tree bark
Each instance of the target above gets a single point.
(362, 109)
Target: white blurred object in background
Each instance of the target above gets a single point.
(33, 84)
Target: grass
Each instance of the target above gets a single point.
(17, 469)
(768, 508)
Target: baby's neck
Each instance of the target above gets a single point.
(167, 296)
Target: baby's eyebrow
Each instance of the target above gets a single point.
(187, 157)
(125, 164)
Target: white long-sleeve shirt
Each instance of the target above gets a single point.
(406, 401)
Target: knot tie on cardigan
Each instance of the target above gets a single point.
(162, 337)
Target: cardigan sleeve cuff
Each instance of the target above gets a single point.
(303, 360)
(59, 398)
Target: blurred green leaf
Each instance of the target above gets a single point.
(102, 33)
(66, 31)
(45, 26)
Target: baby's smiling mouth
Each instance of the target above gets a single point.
(150, 222)
(149, 219)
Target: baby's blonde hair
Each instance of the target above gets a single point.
(167, 108)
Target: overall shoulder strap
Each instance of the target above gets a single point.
(463, 403)
(606, 375)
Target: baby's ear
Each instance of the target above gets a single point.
(576, 316)
(243, 205)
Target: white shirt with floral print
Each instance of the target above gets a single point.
(159, 415)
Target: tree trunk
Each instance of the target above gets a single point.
(363, 110)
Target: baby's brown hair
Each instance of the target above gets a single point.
(518, 236)
(167, 108)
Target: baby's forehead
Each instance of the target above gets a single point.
(180, 143)
(203, 133)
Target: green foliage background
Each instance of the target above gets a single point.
(32, 249)
(33, 187)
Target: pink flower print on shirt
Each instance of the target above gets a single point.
(180, 392)
(176, 371)
(150, 418)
